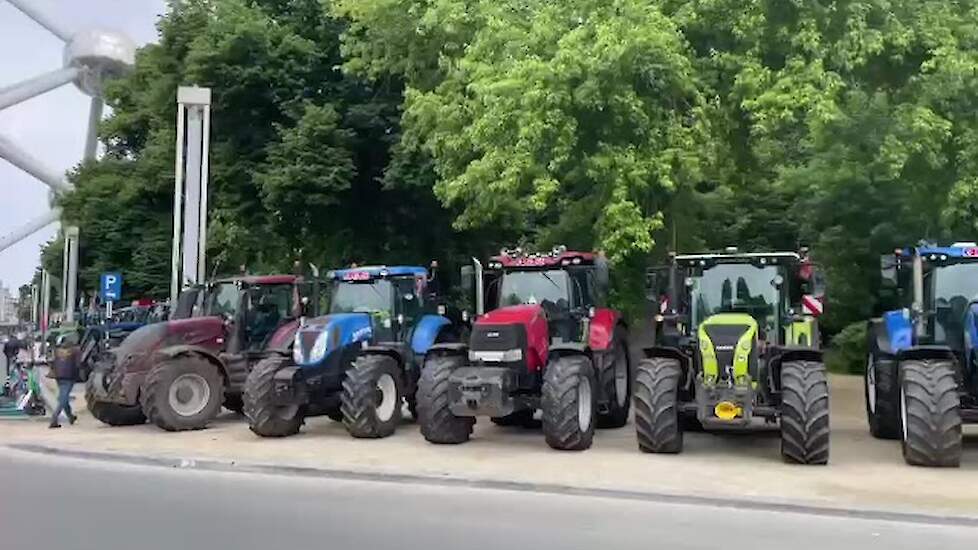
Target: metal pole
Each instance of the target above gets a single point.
(191, 205)
(29, 229)
(23, 160)
(71, 273)
(202, 251)
(32, 87)
(177, 211)
(91, 139)
(28, 8)
(45, 309)
(35, 298)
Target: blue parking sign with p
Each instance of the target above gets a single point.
(110, 287)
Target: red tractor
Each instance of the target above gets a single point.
(542, 339)
(180, 372)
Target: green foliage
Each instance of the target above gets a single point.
(847, 353)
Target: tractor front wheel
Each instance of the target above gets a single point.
(113, 414)
(438, 424)
(265, 417)
(183, 393)
(621, 388)
(930, 413)
(804, 412)
(568, 403)
(658, 423)
(882, 393)
(372, 397)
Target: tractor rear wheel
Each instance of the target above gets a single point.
(438, 424)
(804, 412)
(567, 402)
(113, 414)
(621, 388)
(265, 417)
(522, 418)
(372, 397)
(882, 392)
(930, 413)
(183, 393)
(658, 423)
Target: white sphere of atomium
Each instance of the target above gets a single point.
(103, 54)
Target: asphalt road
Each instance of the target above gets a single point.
(51, 502)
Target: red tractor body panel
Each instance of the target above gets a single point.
(206, 332)
(537, 330)
(283, 335)
(602, 331)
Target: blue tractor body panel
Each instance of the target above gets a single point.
(426, 332)
(368, 272)
(322, 336)
(899, 330)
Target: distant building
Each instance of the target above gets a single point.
(8, 307)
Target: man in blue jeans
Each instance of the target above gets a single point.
(65, 370)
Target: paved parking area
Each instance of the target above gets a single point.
(863, 472)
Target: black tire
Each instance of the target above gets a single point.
(113, 414)
(265, 418)
(522, 418)
(658, 424)
(335, 414)
(884, 421)
(361, 397)
(154, 396)
(438, 424)
(931, 409)
(563, 427)
(804, 412)
(234, 402)
(412, 403)
(617, 415)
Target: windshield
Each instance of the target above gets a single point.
(535, 287)
(948, 290)
(737, 288)
(374, 296)
(222, 300)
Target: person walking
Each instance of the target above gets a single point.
(10, 349)
(65, 370)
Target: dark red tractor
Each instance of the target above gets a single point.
(180, 372)
(542, 339)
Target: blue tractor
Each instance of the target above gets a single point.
(922, 372)
(360, 362)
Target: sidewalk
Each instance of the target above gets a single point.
(863, 474)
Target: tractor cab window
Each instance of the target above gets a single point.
(410, 298)
(374, 296)
(537, 287)
(738, 288)
(948, 290)
(222, 300)
(269, 306)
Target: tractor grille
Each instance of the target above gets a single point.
(724, 338)
(498, 337)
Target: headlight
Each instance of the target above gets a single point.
(297, 350)
(496, 356)
(319, 348)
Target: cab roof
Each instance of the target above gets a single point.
(964, 251)
(776, 258)
(261, 279)
(558, 257)
(376, 271)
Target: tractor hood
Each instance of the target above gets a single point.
(532, 319)
(728, 344)
(134, 353)
(323, 335)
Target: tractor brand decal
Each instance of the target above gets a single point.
(362, 333)
(356, 276)
(971, 252)
(812, 305)
(530, 261)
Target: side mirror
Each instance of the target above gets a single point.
(888, 271)
(400, 318)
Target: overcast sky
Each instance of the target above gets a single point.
(51, 127)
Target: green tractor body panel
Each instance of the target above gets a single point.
(728, 340)
(802, 333)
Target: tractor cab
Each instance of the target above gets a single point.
(393, 297)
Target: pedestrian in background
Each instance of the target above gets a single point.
(65, 370)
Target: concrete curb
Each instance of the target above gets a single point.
(478, 483)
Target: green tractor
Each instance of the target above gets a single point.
(737, 347)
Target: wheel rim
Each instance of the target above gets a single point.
(871, 384)
(903, 411)
(287, 412)
(621, 376)
(584, 404)
(189, 394)
(386, 397)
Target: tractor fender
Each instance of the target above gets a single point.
(800, 354)
(569, 348)
(666, 352)
(926, 352)
(426, 332)
(171, 352)
(448, 348)
(394, 353)
(601, 334)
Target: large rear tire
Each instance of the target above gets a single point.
(567, 403)
(930, 413)
(265, 418)
(183, 393)
(438, 424)
(621, 389)
(657, 418)
(882, 392)
(372, 397)
(113, 414)
(804, 412)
